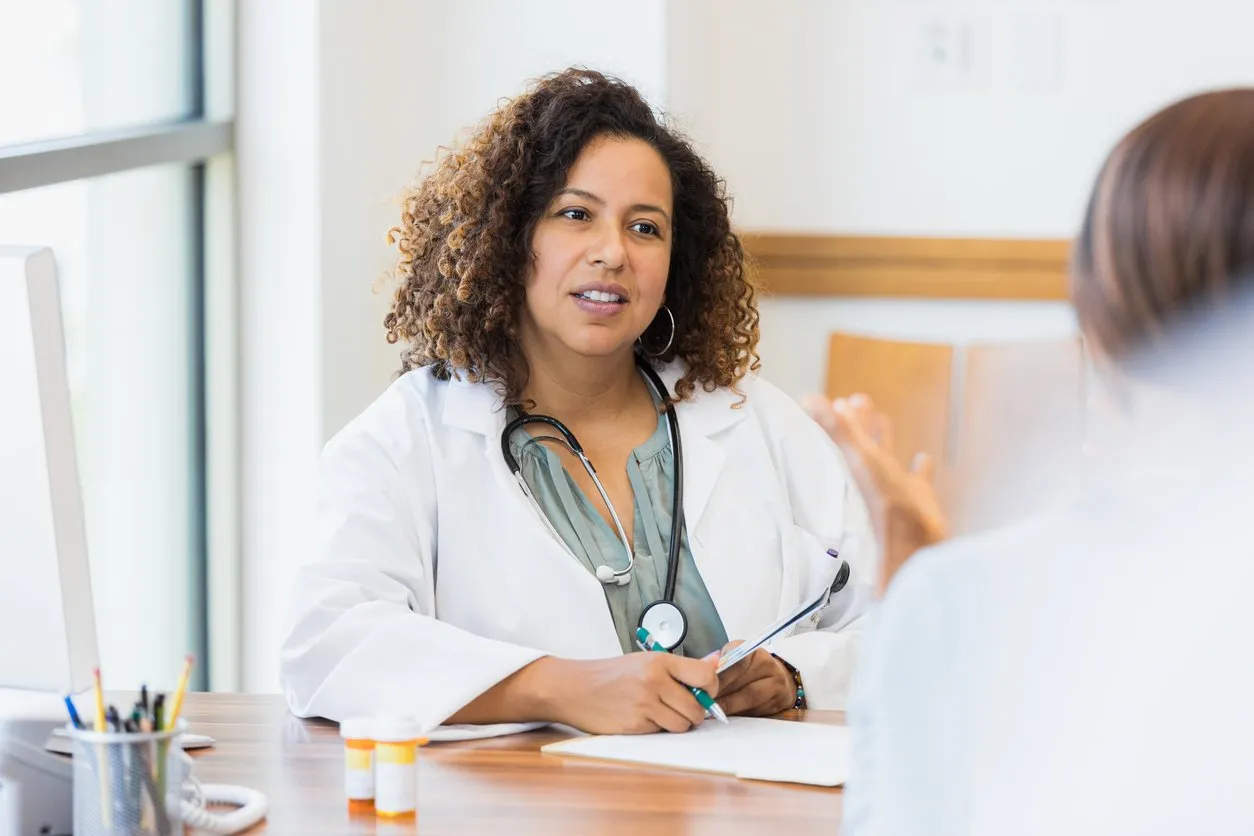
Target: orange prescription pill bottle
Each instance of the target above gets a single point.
(396, 742)
(358, 734)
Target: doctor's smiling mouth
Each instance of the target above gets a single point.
(601, 299)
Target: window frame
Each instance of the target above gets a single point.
(199, 142)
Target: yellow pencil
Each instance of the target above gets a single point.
(178, 693)
(100, 709)
(106, 800)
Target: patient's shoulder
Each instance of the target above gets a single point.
(984, 551)
(977, 576)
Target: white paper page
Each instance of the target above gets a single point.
(747, 747)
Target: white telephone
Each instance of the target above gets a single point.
(251, 803)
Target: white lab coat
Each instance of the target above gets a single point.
(435, 578)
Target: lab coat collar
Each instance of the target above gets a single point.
(705, 413)
(475, 407)
(478, 407)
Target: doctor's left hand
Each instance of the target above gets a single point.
(757, 686)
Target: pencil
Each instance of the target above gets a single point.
(178, 693)
(106, 799)
(100, 708)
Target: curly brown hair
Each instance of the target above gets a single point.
(466, 231)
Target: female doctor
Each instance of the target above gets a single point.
(569, 280)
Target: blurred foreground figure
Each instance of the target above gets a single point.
(1090, 672)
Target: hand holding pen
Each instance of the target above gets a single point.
(636, 693)
(645, 642)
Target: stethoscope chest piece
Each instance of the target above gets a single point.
(665, 622)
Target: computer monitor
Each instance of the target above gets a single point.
(47, 622)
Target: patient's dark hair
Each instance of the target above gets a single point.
(1169, 231)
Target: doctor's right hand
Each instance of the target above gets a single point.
(637, 693)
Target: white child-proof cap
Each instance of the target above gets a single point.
(396, 729)
(357, 728)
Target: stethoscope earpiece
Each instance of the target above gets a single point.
(607, 575)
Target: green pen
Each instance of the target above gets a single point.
(647, 642)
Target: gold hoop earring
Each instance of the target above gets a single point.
(671, 339)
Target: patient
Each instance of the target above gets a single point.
(1089, 672)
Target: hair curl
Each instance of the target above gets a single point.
(466, 229)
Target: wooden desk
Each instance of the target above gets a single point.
(502, 785)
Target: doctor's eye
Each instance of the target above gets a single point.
(646, 228)
(575, 214)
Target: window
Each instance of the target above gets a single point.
(104, 149)
(73, 67)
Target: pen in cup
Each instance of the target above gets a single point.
(131, 772)
(74, 718)
(646, 642)
(158, 724)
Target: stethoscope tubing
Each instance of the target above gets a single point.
(568, 438)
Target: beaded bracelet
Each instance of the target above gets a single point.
(796, 678)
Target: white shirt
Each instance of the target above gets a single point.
(1090, 672)
(436, 579)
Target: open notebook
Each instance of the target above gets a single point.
(746, 747)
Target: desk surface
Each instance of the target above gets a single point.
(501, 785)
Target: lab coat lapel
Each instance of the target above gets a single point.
(705, 424)
(701, 419)
(703, 462)
(477, 408)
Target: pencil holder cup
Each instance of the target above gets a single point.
(128, 784)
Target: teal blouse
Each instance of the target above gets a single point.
(594, 541)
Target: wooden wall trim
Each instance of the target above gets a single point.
(926, 268)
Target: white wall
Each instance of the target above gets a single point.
(280, 304)
(339, 104)
(822, 117)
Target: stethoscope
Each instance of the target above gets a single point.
(664, 620)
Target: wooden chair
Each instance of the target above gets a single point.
(1003, 421)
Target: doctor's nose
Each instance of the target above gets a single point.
(608, 251)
